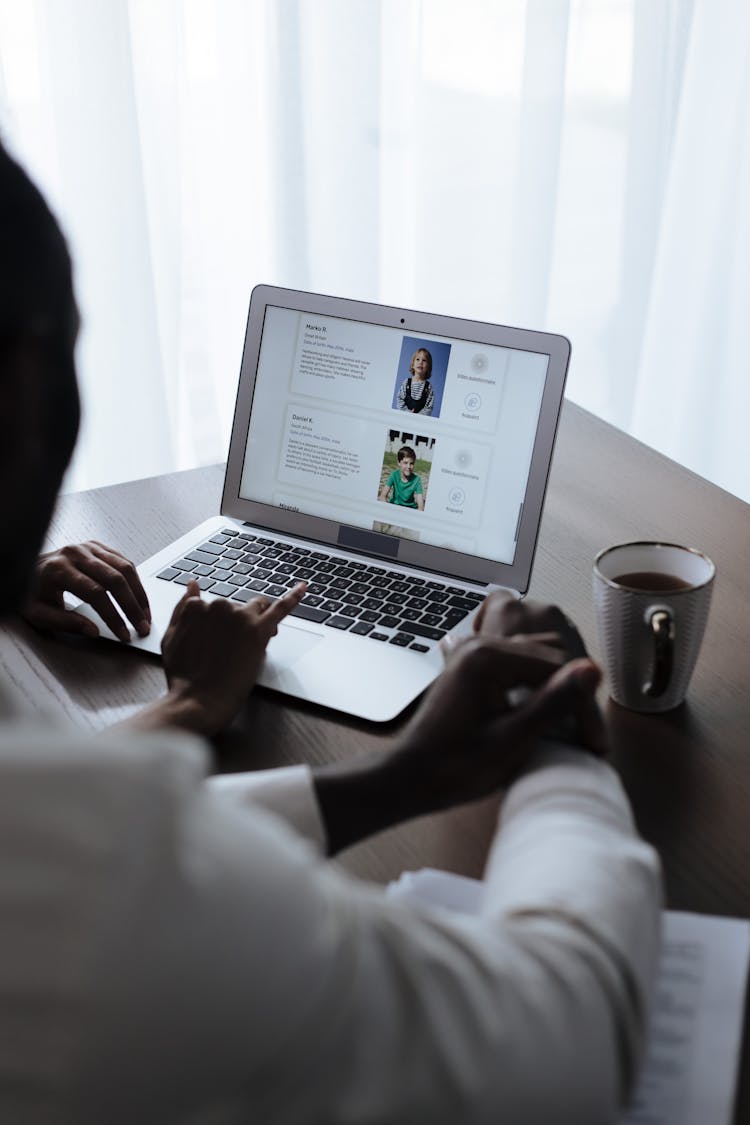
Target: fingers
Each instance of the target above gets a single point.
(570, 691)
(103, 579)
(273, 613)
(504, 615)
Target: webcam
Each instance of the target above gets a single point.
(402, 320)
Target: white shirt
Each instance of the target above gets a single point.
(175, 950)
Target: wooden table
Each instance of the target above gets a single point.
(688, 773)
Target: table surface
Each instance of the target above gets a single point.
(687, 773)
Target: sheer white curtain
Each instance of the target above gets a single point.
(580, 165)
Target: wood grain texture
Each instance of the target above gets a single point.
(688, 773)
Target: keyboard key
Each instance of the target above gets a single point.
(344, 572)
(410, 614)
(309, 613)
(252, 549)
(380, 581)
(237, 542)
(312, 599)
(356, 565)
(419, 648)
(303, 573)
(257, 584)
(200, 557)
(316, 588)
(450, 619)
(205, 583)
(339, 622)
(223, 538)
(242, 568)
(362, 628)
(417, 603)
(429, 632)
(228, 531)
(184, 564)
(224, 589)
(203, 570)
(474, 596)
(352, 599)
(462, 603)
(274, 591)
(245, 535)
(372, 603)
(271, 552)
(211, 548)
(456, 590)
(266, 542)
(389, 622)
(243, 595)
(401, 639)
(331, 606)
(434, 619)
(237, 579)
(392, 607)
(378, 636)
(400, 587)
(285, 568)
(435, 585)
(375, 570)
(338, 584)
(359, 588)
(437, 596)
(325, 567)
(350, 611)
(368, 615)
(168, 574)
(261, 572)
(232, 553)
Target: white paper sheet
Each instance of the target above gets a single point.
(689, 1074)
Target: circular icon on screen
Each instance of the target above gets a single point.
(480, 362)
(463, 458)
(456, 497)
(473, 402)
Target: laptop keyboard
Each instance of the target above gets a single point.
(369, 601)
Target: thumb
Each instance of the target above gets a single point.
(570, 692)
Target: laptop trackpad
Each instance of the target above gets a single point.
(291, 643)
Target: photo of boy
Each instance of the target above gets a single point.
(420, 379)
(404, 476)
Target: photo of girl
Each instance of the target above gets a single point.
(415, 393)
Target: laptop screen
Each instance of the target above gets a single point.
(419, 436)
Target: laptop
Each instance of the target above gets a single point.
(395, 460)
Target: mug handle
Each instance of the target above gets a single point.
(661, 623)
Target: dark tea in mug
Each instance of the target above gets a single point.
(652, 582)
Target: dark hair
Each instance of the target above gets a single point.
(38, 324)
(36, 286)
(406, 451)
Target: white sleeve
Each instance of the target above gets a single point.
(288, 792)
(246, 979)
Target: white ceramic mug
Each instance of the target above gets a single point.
(651, 602)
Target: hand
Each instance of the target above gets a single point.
(99, 576)
(470, 737)
(503, 615)
(213, 651)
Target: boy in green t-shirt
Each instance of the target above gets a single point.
(403, 486)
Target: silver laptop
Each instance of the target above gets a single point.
(395, 460)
